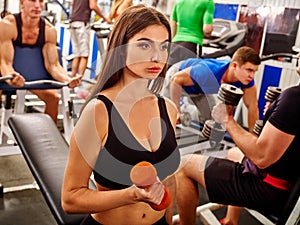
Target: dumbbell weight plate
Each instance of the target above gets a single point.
(207, 128)
(230, 94)
(258, 127)
(206, 132)
(272, 93)
(231, 89)
(213, 130)
(229, 99)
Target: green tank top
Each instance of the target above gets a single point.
(190, 16)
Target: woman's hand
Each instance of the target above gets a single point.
(154, 193)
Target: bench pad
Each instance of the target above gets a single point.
(46, 152)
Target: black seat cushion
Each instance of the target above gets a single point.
(46, 152)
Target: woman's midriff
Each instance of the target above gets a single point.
(134, 214)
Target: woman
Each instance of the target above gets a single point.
(118, 7)
(123, 123)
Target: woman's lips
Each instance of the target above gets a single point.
(154, 69)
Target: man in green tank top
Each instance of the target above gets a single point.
(191, 21)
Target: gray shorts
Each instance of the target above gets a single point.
(171, 71)
(203, 102)
(80, 35)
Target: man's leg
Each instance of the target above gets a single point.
(51, 99)
(186, 199)
(75, 66)
(82, 65)
(233, 212)
(232, 215)
(187, 179)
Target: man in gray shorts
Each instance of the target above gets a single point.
(80, 32)
(203, 103)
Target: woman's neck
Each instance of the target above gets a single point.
(129, 94)
(133, 89)
(132, 86)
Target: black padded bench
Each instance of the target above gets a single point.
(46, 152)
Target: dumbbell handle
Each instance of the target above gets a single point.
(144, 174)
(229, 95)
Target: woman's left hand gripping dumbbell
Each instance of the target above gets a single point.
(144, 176)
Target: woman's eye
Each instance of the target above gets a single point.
(144, 45)
(164, 47)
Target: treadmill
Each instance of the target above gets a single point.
(227, 36)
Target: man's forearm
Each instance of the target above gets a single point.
(253, 115)
(242, 138)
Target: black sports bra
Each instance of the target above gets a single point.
(41, 38)
(122, 151)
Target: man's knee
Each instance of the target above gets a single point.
(53, 99)
(49, 97)
(235, 154)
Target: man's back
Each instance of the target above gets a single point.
(190, 16)
(81, 11)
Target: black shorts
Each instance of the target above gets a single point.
(89, 220)
(227, 184)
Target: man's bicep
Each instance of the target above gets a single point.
(7, 35)
(50, 34)
(6, 56)
(183, 78)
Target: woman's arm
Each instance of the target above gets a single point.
(78, 198)
(86, 140)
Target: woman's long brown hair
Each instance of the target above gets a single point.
(133, 20)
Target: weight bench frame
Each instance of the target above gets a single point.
(46, 154)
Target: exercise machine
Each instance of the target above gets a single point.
(102, 30)
(227, 36)
(29, 62)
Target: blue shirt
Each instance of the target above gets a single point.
(207, 75)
